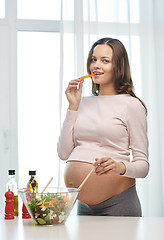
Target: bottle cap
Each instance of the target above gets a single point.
(11, 172)
(32, 172)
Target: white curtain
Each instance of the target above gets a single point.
(139, 25)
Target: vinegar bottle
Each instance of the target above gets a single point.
(32, 183)
(12, 186)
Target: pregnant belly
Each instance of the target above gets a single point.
(97, 188)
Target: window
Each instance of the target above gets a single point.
(38, 68)
(34, 40)
(39, 9)
(111, 11)
(38, 104)
(38, 73)
(34, 26)
(2, 8)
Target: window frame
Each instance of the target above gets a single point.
(10, 25)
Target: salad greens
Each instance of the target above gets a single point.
(49, 208)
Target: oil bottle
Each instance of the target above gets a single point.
(12, 186)
(32, 183)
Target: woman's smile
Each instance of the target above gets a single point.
(98, 75)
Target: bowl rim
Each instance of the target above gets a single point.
(61, 190)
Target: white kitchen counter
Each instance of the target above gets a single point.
(85, 228)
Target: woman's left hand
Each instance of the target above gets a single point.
(109, 166)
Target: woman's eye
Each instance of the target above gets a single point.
(93, 60)
(106, 61)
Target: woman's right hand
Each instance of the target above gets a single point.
(73, 93)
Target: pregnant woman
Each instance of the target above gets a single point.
(102, 130)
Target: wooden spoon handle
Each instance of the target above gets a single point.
(47, 185)
(79, 188)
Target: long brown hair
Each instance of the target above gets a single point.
(123, 82)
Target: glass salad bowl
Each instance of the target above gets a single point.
(51, 207)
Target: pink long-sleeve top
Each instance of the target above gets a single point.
(107, 126)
